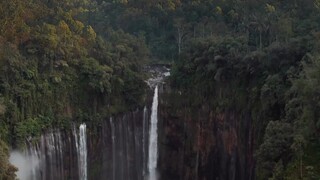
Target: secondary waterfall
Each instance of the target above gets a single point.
(124, 147)
(82, 152)
(153, 138)
(113, 136)
(144, 143)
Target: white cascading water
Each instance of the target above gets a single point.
(27, 164)
(42, 160)
(144, 141)
(113, 150)
(121, 152)
(35, 161)
(153, 138)
(82, 152)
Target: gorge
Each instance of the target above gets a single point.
(160, 90)
(126, 146)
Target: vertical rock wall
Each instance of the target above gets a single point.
(201, 144)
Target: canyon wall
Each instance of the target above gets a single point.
(195, 143)
(200, 143)
(116, 149)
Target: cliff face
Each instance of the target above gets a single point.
(116, 150)
(197, 143)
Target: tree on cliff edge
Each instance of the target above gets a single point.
(7, 171)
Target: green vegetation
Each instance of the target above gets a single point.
(266, 60)
(81, 60)
(56, 68)
(7, 171)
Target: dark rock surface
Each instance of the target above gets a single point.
(196, 143)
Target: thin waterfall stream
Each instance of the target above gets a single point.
(153, 138)
(144, 143)
(113, 136)
(122, 147)
(82, 152)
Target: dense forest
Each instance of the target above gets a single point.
(66, 61)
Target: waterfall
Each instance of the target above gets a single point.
(121, 151)
(34, 161)
(82, 152)
(153, 138)
(113, 136)
(27, 164)
(144, 125)
(54, 153)
(41, 160)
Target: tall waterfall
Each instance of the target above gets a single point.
(82, 152)
(124, 148)
(153, 138)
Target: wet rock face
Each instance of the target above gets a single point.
(196, 143)
(158, 74)
(116, 150)
(54, 156)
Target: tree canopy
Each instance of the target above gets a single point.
(81, 60)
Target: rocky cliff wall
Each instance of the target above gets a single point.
(200, 143)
